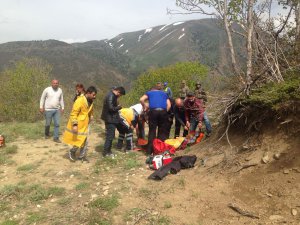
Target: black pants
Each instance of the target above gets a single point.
(110, 129)
(157, 119)
(178, 127)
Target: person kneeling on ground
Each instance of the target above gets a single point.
(193, 112)
(77, 130)
(129, 119)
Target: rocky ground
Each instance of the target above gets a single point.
(253, 183)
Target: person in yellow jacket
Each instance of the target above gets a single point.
(77, 129)
(129, 119)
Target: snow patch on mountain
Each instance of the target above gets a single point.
(120, 40)
(182, 29)
(163, 27)
(140, 36)
(156, 43)
(121, 45)
(148, 30)
(111, 45)
(126, 51)
(177, 23)
(181, 36)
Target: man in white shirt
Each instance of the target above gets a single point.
(52, 104)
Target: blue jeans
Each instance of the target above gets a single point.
(194, 124)
(55, 114)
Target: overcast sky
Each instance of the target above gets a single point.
(81, 20)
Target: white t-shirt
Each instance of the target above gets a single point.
(52, 99)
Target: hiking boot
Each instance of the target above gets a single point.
(109, 155)
(72, 156)
(84, 159)
(57, 140)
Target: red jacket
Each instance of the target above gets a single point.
(194, 109)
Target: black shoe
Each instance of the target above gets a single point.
(57, 140)
(72, 156)
(47, 136)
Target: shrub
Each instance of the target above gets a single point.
(21, 88)
(191, 72)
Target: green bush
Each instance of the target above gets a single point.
(21, 88)
(274, 94)
(191, 72)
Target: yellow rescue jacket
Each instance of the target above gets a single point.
(80, 115)
(127, 115)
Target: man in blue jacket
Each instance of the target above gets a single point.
(110, 115)
(159, 105)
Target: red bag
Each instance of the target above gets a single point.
(159, 147)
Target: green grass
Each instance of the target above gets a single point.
(9, 222)
(32, 193)
(9, 150)
(82, 186)
(35, 217)
(64, 201)
(13, 130)
(94, 218)
(105, 203)
(131, 163)
(167, 205)
(5, 160)
(27, 167)
(163, 220)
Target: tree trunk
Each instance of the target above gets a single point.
(230, 43)
(250, 24)
(297, 18)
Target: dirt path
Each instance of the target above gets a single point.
(118, 192)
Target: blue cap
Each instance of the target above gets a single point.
(166, 83)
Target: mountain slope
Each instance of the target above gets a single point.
(122, 58)
(70, 64)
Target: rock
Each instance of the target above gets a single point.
(38, 206)
(269, 195)
(276, 217)
(109, 182)
(286, 171)
(60, 173)
(86, 204)
(93, 196)
(98, 183)
(53, 200)
(105, 188)
(80, 195)
(294, 212)
(276, 156)
(72, 175)
(265, 159)
(105, 192)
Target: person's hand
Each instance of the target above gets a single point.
(42, 110)
(75, 128)
(188, 124)
(200, 125)
(186, 128)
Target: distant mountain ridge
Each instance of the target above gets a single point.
(122, 58)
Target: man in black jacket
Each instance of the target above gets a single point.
(110, 115)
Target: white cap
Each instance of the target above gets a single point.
(138, 108)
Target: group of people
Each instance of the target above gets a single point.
(157, 107)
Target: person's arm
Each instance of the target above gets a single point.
(143, 100)
(62, 104)
(74, 115)
(42, 101)
(111, 107)
(177, 117)
(168, 105)
(201, 113)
